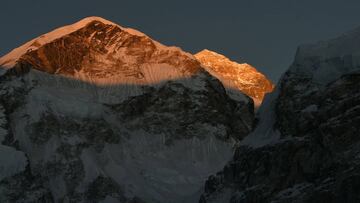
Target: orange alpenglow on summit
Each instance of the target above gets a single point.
(236, 77)
(101, 52)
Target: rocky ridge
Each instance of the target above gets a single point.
(306, 146)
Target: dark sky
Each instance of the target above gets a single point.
(264, 33)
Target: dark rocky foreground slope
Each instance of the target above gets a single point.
(306, 147)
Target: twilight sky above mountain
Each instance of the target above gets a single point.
(260, 32)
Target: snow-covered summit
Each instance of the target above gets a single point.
(10, 59)
(236, 76)
(97, 50)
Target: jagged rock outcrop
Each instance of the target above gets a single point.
(306, 148)
(95, 112)
(236, 77)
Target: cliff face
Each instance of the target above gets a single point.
(236, 77)
(306, 146)
(96, 112)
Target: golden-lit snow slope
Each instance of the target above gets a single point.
(99, 51)
(234, 76)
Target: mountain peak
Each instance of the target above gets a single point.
(214, 56)
(11, 58)
(236, 76)
(99, 51)
(89, 19)
(208, 53)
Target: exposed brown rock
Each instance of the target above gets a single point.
(98, 49)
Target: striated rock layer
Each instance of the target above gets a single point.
(306, 146)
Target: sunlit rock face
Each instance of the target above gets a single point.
(306, 145)
(96, 112)
(105, 52)
(239, 77)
